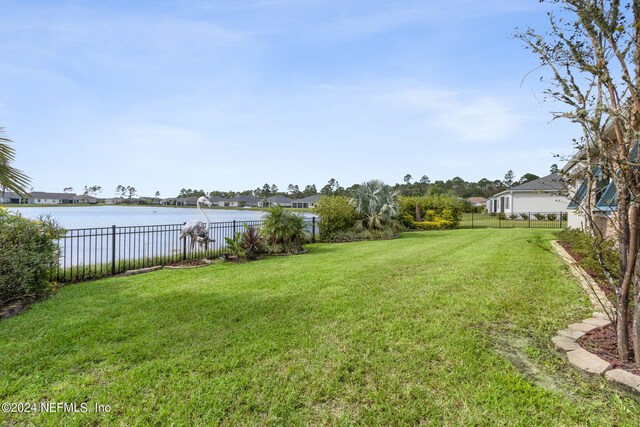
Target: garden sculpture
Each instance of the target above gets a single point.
(197, 230)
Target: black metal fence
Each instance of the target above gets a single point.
(89, 253)
(515, 220)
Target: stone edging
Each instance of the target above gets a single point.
(565, 340)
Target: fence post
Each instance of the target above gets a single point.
(113, 250)
(472, 214)
(313, 229)
(500, 220)
(184, 246)
(234, 229)
(529, 219)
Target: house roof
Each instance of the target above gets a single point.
(247, 199)
(549, 183)
(311, 199)
(45, 195)
(477, 200)
(279, 199)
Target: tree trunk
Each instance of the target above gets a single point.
(626, 274)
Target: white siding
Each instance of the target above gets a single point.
(537, 202)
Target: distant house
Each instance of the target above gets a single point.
(41, 197)
(149, 201)
(306, 203)
(86, 199)
(477, 201)
(217, 200)
(285, 202)
(242, 201)
(113, 201)
(11, 197)
(546, 194)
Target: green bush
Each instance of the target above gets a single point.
(283, 231)
(540, 216)
(28, 252)
(336, 215)
(356, 236)
(552, 217)
(431, 212)
(524, 216)
(583, 246)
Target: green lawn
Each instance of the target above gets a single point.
(444, 328)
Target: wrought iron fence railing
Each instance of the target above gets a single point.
(514, 220)
(88, 253)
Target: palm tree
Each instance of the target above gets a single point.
(10, 177)
(376, 202)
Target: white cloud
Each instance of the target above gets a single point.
(468, 117)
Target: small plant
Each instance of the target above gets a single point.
(252, 243)
(552, 217)
(234, 245)
(247, 244)
(563, 216)
(513, 216)
(539, 216)
(524, 216)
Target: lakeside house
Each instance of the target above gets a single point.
(43, 197)
(545, 195)
(306, 203)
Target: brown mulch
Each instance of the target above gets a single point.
(191, 263)
(603, 341)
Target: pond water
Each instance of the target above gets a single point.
(105, 216)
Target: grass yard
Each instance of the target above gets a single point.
(443, 328)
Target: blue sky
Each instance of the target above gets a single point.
(230, 95)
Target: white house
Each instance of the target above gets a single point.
(544, 195)
(41, 197)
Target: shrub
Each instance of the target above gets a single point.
(583, 246)
(28, 252)
(437, 224)
(552, 217)
(513, 216)
(431, 212)
(283, 231)
(354, 236)
(247, 244)
(524, 216)
(563, 216)
(375, 204)
(336, 215)
(539, 216)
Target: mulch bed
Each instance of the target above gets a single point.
(603, 341)
(190, 263)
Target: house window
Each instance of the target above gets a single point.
(578, 197)
(506, 202)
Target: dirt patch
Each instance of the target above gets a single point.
(514, 349)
